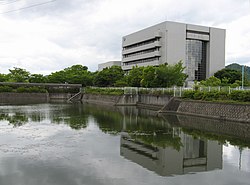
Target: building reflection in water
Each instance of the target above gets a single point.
(194, 155)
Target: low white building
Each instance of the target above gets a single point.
(108, 64)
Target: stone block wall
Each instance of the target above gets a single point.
(238, 112)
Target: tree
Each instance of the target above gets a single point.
(18, 75)
(57, 77)
(134, 76)
(148, 77)
(37, 78)
(76, 74)
(211, 81)
(108, 76)
(163, 76)
(3, 77)
(170, 75)
(230, 74)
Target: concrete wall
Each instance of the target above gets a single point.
(62, 96)
(101, 99)
(175, 43)
(216, 51)
(20, 98)
(25, 98)
(154, 100)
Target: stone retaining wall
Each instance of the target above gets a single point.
(237, 112)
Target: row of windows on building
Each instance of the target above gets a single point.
(141, 43)
(141, 52)
(142, 61)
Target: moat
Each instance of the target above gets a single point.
(76, 144)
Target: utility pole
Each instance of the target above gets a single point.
(243, 70)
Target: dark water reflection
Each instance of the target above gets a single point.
(73, 144)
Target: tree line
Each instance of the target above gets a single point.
(161, 76)
(164, 75)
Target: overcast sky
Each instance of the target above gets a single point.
(45, 36)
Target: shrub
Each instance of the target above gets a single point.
(30, 90)
(236, 95)
(188, 94)
(198, 95)
(246, 96)
(6, 89)
(209, 96)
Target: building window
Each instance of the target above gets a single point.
(141, 43)
(134, 62)
(141, 52)
(196, 59)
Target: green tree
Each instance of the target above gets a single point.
(57, 77)
(211, 81)
(37, 78)
(3, 77)
(170, 75)
(230, 74)
(18, 75)
(76, 74)
(164, 75)
(149, 77)
(134, 76)
(108, 76)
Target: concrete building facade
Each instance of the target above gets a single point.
(108, 64)
(202, 49)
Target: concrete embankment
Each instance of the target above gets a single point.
(166, 104)
(147, 101)
(226, 111)
(21, 98)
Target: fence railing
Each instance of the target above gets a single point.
(174, 91)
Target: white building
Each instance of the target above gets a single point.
(108, 64)
(202, 49)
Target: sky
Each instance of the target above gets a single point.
(44, 36)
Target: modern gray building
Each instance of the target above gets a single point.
(202, 49)
(108, 64)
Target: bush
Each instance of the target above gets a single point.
(188, 94)
(246, 96)
(243, 96)
(236, 95)
(209, 96)
(6, 89)
(63, 90)
(30, 90)
(198, 95)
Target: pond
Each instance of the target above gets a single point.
(78, 144)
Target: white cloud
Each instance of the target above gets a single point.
(57, 35)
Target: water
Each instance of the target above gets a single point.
(76, 144)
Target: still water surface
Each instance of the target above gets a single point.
(78, 144)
